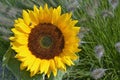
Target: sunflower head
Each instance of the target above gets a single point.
(45, 40)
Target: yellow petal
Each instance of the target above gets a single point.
(15, 45)
(48, 73)
(18, 33)
(12, 38)
(22, 66)
(27, 62)
(41, 14)
(76, 30)
(23, 51)
(55, 15)
(59, 63)
(67, 60)
(16, 21)
(44, 66)
(59, 10)
(26, 17)
(47, 14)
(19, 20)
(35, 67)
(22, 40)
(34, 18)
(53, 67)
(36, 10)
(22, 27)
(72, 55)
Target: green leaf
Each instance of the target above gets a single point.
(3, 47)
(13, 65)
(7, 56)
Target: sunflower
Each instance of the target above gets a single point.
(45, 41)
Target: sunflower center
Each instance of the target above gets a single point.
(46, 41)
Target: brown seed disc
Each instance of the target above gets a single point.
(46, 41)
